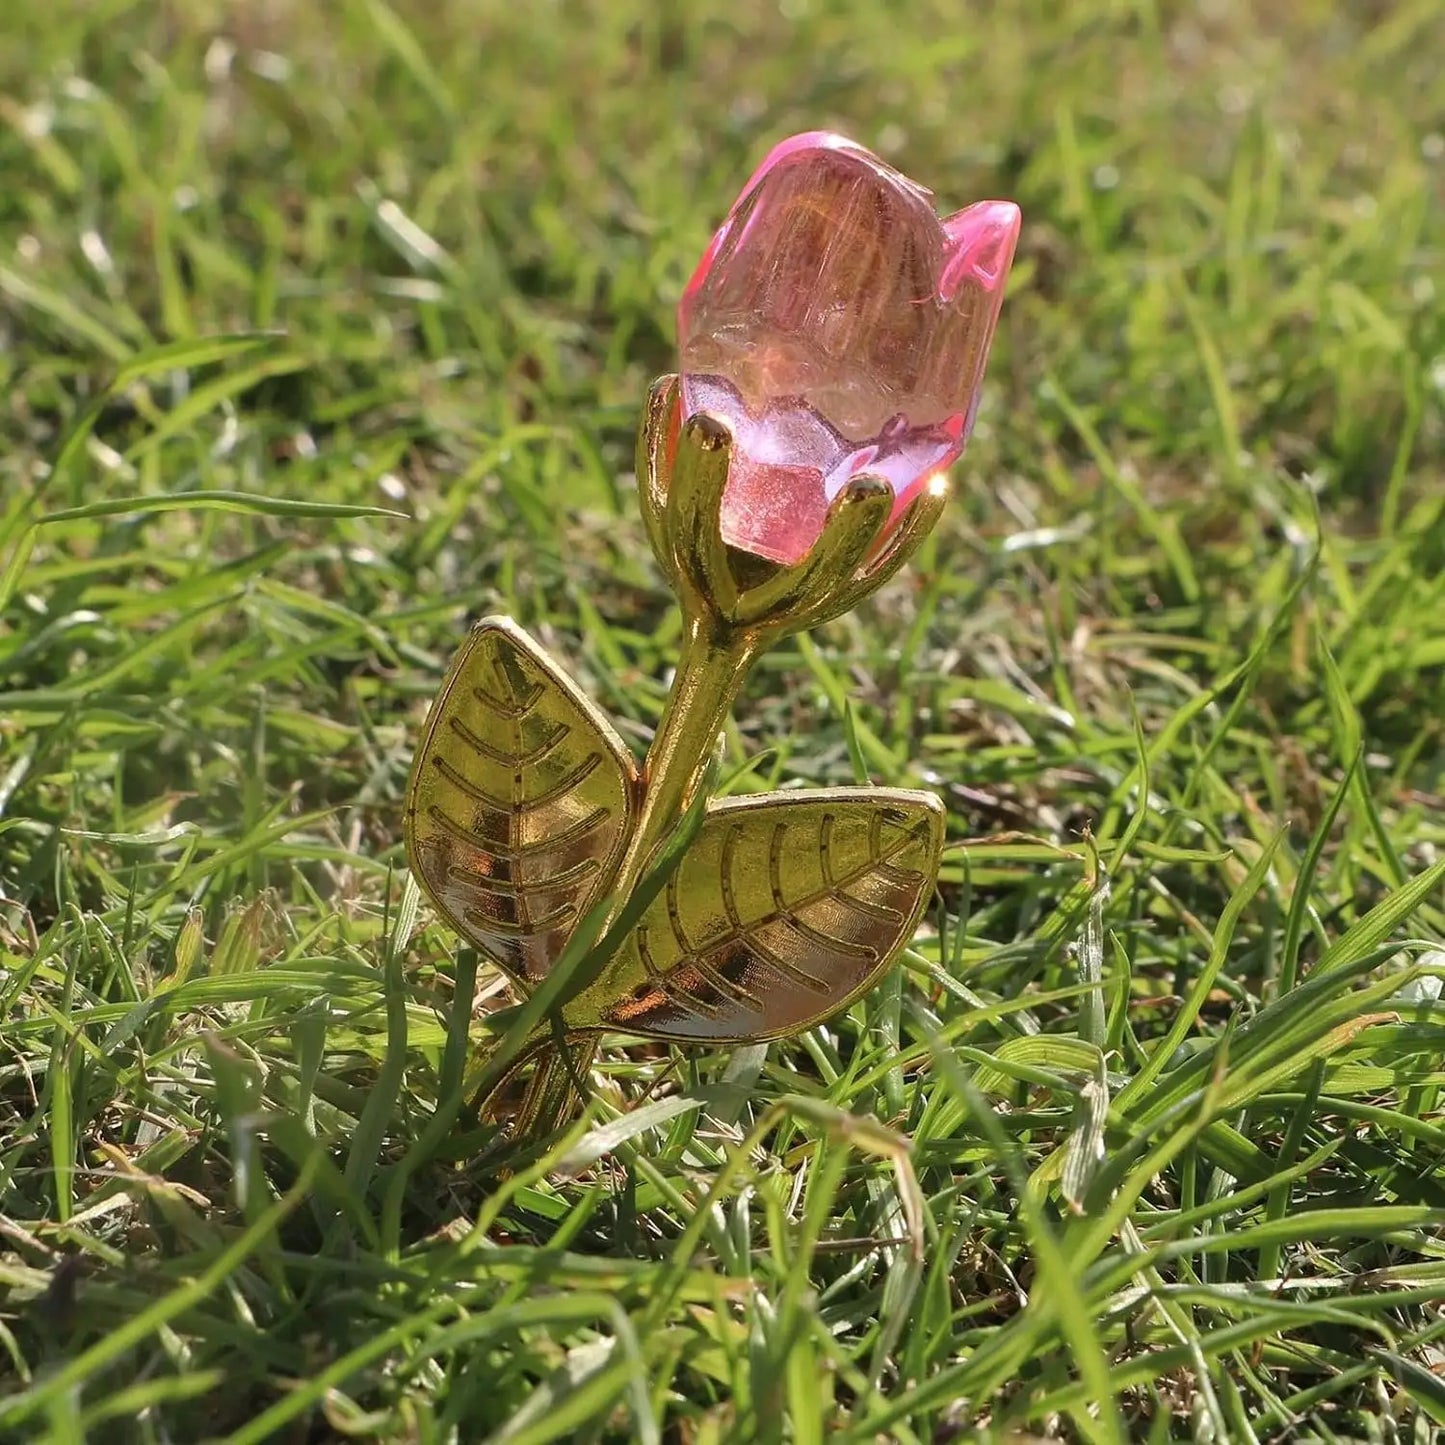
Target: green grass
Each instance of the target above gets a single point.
(1144, 1140)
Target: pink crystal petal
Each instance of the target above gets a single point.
(838, 327)
(981, 240)
(772, 510)
(808, 140)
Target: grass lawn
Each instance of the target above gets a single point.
(324, 330)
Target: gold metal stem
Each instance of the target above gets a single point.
(711, 667)
(552, 1090)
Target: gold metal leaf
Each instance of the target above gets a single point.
(521, 801)
(784, 910)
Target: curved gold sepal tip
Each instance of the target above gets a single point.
(861, 488)
(692, 520)
(707, 431)
(918, 520)
(660, 396)
(683, 466)
(653, 439)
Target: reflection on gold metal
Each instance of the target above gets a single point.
(783, 910)
(521, 804)
(525, 810)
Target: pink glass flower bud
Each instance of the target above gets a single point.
(838, 327)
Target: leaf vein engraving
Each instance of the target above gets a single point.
(668, 985)
(484, 749)
(881, 853)
(674, 917)
(863, 952)
(786, 917)
(688, 955)
(788, 912)
(520, 852)
(496, 883)
(796, 972)
(512, 711)
(517, 806)
(485, 923)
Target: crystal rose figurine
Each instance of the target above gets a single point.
(833, 342)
